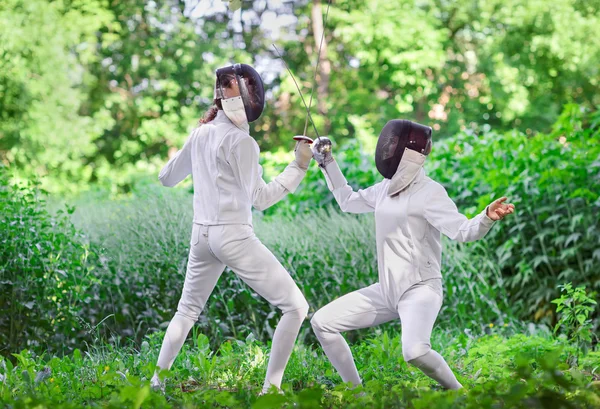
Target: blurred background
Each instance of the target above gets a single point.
(96, 95)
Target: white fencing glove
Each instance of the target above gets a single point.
(321, 150)
(302, 151)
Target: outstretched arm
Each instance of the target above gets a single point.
(349, 201)
(244, 162)
(442, 213)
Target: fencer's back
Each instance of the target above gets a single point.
(218, 196)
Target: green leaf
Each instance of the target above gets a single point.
(141, 396)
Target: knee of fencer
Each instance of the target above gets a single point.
(319, 325)
(300, 310)
(188, 313)
(412, 353)
(316, 322)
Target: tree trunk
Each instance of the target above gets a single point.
(324, 64)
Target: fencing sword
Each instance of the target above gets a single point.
(301, 97)
(323, 146)
(317, 66)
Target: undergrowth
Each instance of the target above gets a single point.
(497, 370)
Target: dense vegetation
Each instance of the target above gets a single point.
(134, 250)
(497, 370)
(96, 94)
(108, 272)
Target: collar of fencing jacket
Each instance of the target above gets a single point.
(410, 167)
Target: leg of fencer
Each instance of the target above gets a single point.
(284, 339)
(418, 309)
(177, 332)
(433, 365)
(203, 272)
(359, 309)
(338, 351)
(259, 268)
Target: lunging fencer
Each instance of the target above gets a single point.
(223, 160)
(411, 212)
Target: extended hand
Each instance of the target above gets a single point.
(497, 210)
(303, 151)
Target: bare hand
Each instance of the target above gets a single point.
(497, 210)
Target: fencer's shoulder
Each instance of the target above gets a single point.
(381, 185)
(241, 143)
(433, 187)
(233, 135)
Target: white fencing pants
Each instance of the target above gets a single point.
(213, 248)
(417, 309)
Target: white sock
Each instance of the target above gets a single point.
(433, 365)
(337, 350)
(282, 346)
(177, 332)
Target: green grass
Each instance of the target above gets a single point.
(500, 369)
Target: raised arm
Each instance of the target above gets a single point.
(244, 162)
(180, 165)
(441, 212)
(349, 201)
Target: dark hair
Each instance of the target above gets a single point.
(212, 111)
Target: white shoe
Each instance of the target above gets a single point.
(156, 384)
(266, 390)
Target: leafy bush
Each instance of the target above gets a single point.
(44, 273)
(574, 308)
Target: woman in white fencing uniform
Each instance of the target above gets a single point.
(411, 212)
(223, 160)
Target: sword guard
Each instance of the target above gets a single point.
(303, 138)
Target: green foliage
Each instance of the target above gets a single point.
(574, 308)
(43, 49)
(44, 273)
(554, 181)
(98, 91)
(515, 371)
(142, 241)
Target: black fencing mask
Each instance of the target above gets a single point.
(252, 91)
(396, 136)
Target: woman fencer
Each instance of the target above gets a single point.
(223, 160)
(411, 212)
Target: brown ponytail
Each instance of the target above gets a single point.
(211, 113)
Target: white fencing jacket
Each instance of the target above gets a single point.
(227, 177)
(408, 227)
